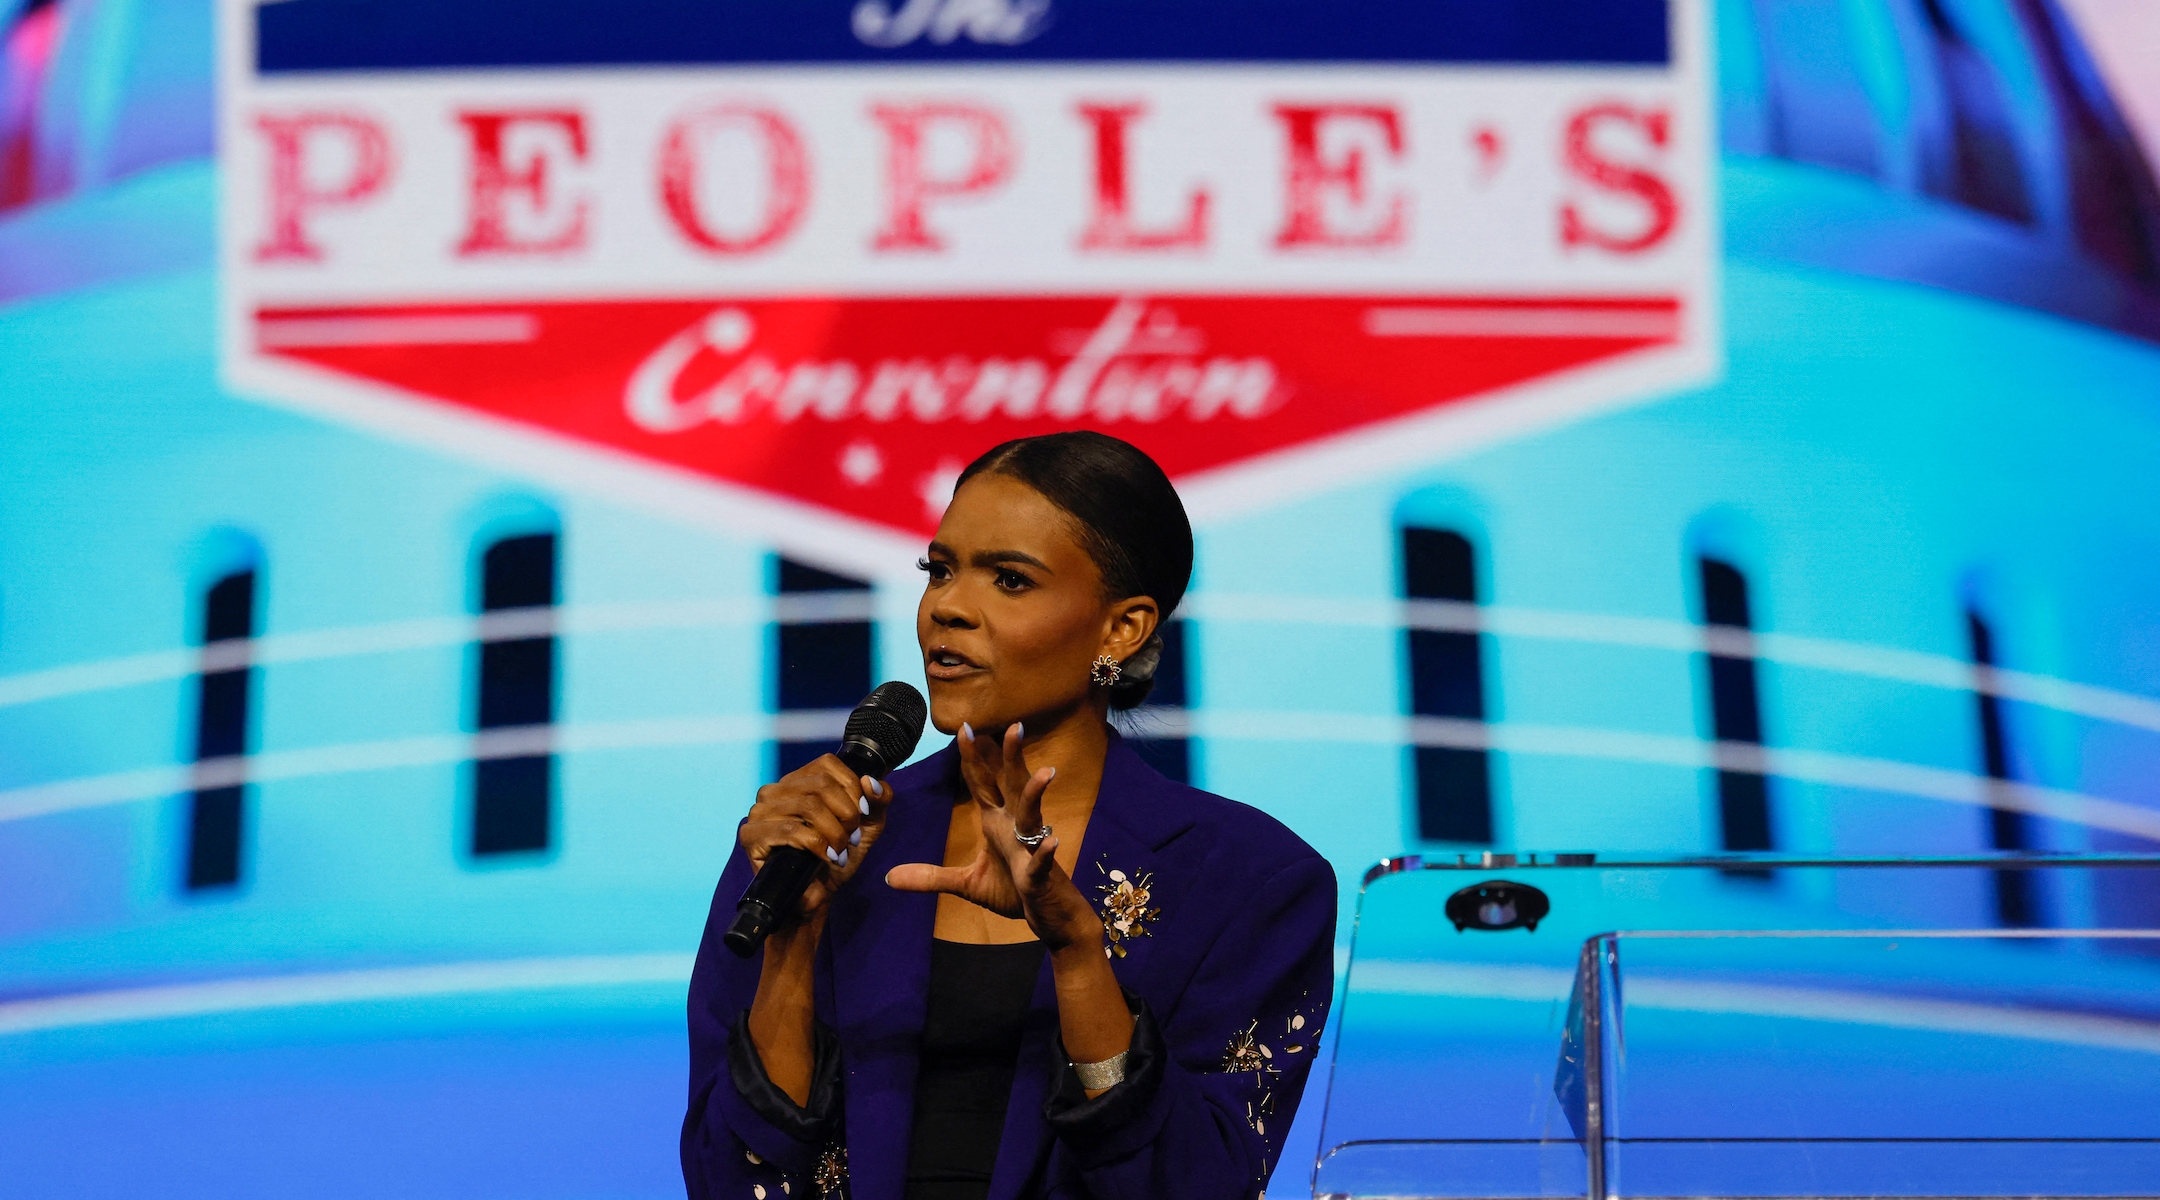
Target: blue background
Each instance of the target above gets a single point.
(1942, 397)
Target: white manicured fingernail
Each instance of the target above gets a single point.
(864, 805)
(967, 731)
(877, 789)
(1052, 775)
(844, 856)
(832, 856)
(1019, 729)
(854, 837)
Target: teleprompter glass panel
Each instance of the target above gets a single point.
(1920, 1062)
(1865, 1028)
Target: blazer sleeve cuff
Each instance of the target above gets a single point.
(775, 1128)
(1124, 1118)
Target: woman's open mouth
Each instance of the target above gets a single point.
(945, 664)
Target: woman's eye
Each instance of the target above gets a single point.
(1012, 581)
(937, 571)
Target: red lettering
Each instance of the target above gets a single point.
(908, 183)
(293, 195)
(787, 179)
(497, 180)
(1584, 161)
(1112, 227)
(1313, 178)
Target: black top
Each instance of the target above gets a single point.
(979, 998)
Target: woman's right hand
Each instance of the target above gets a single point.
(824, 808)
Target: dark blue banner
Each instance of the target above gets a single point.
(389, 35)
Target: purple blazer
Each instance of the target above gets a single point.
(1221, 928)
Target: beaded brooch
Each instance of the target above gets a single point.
(1125, 911)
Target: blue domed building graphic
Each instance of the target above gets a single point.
(331, 757)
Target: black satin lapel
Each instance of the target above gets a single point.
(881, 989)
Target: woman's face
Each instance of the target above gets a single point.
(1013, 613)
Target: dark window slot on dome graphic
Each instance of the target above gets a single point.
(1816, 107)
(2114, 201)
(2016, 905)
(822, 656)
(1447, 681)
(513, 790)
(1744, 820)
(1158, 727)
(217, 813)
(1980, 167)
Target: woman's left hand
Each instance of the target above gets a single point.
(1005, 876)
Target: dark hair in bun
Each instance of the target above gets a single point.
(1129, 520)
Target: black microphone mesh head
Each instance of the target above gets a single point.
(886, 726)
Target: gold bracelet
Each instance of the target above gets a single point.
(1097, 1076)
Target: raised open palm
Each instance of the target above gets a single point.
(1005, 876)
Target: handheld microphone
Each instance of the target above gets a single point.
(881, 733)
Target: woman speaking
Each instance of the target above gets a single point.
(1033, 966)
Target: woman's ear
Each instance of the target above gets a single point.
(1132, 622)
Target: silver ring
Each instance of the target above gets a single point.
(1033, 841)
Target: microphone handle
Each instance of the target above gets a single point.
(770, 898)
(787, 873)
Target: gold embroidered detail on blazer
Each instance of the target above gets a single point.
(1246, 1053)
(1125, 911)
(831, 1175)
(1250, 1053)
